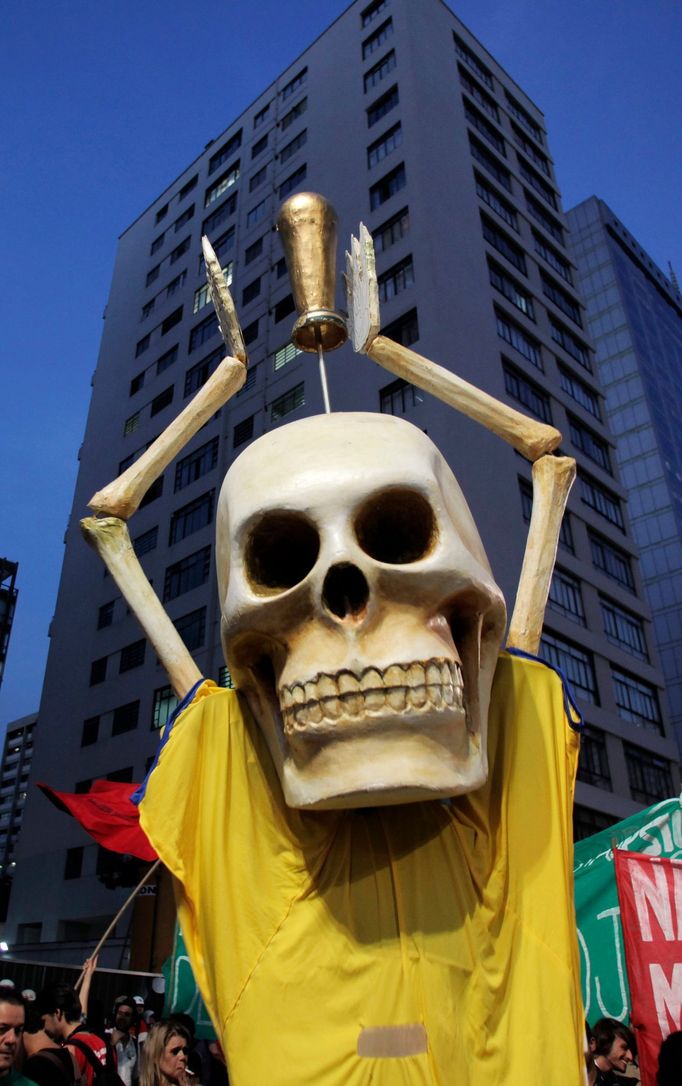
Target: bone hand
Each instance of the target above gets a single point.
(362, 291)
(552, 480)
(109, 537)
(122, 497)
(223, 304)
(532, 439)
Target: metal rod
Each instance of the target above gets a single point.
(323, 372)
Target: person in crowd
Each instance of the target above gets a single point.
(124, 1039)
(612, 1047)
(60, 1011)
(12, 1018)
(164, 1056)
(45, 1062)
(670, 1060)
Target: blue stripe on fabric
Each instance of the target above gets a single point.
(573, 714)
(138, 794)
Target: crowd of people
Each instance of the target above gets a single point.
(612, 1056)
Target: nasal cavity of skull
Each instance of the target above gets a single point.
(396, 526)
(345, 592)
(282, 549)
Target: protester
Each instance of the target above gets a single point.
(60, 1010)
(124, 1039)
(670, 1060)
(612, 1047)
(164, 1056)
(12, 1016)
(46, 1063)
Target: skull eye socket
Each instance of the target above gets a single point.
(397, 526)
(282, 549)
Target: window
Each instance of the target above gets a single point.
(521, 115)
(221, 247)
(601, 500)
(260, 118)
(561, 299)
(171, 320)
(293, 146)
(483, 99)
(90, 731)
(284, 308)
(404, 330)
(379, 71)
(296, 111)
(570, 344)
(587, 822)
(382, 106)
(593, 765)
(636, 701)
(199, 374)
(153, 492)
(217, 217)
(623, 629)
(538, 183)
(152, 275)
(377, 39)
(251, 291)
(293, 181)
(222, 184)
(201, 332)
(382, 147)
(192, 628)
(592, 446)
(183, 219)
(395, 228)
(485, 128)
(73, 864)
(396, 279)
(649, 775)
(125, 718)
(188, 187)
(225, 678)
(148, 308)
(612, 561)
(163, 706)
(166, 359)
(527, 393)
(191, 518)
(226, 151)
(496, 203)
(551, 225)
(98, 671)
(132, 656)
(250, 381)
(388, 186)
(243, 432)
(142, 345)
(250, 332)
(284, 354)
(399, 398)
(196, 464)
(253, 251)
(552, 257)
(294, 84)
(565, 596)
(257, 179)
(105, 615)
(161, 214)
(162, 400)
(580, 392)
(477, 67)
(257, 213)
(175, 284)
(202, 295)
(490, 163)
(146, 542)
(190, 572)
(179, 251)
(259, 146)
(511, 290)
(287, 403)
(370, 14)
(576, 664)
(517, 338)
(504, 245)
(530, 151)
(156, 244)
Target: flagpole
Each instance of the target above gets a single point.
(145, 878)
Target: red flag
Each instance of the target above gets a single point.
(650, 896)
(108, 815)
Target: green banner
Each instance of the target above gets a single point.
(656, 831)
(182, 993)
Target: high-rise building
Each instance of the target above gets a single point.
(634, 315)
(402, 119)
(14, 775)
(8, 603)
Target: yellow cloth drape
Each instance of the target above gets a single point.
(305, 929)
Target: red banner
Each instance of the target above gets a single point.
(650, 896)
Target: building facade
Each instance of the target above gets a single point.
(634, 315)
(446, 160)
(14, 777)
(8, 603)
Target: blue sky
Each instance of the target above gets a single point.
(106, 103)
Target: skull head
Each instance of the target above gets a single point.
(360, 616)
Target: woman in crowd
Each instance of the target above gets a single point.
(164, 1056)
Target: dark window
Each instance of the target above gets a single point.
(387, 186)
(517, 338)
(396, 279)
(284, 308)
(153, 274)
(164, 705)
(196, 464)
(253, 251)
(370, 13)
(649, 776)
(188, 187)
(550, 224)
(166, 359)
(521, 115)
(612, 561)
(221, 248)
(565, 596)
(142, 345)
(175, 284)
(281, 267)
(593, 765)
(636, 700)
(251, 291)
(217, 217)
(105, 615)
(601, 500)
(398, 398)
(511, 290)
(98, 671)
(504, 245)
(125, 718)
(199, 374)
(496, 203)
(576, 664)
(148, 308)
(192, 628)
(623, 629)
(257, 179)
(379, 71)
(183, 219)
(243, 431)
(293, 146)
(561, 299)
(552, 257)
(294, 84)
(260, 117)
(580, 392)
(382, 147)
(288, 402)
(377, 39)
(474, 91)
(528, 149)
(570, 344)
(162, 400)
(180, 250)
(250, 380)
(296, 111)
(156, 244)
(257, 213)
(188, 573)
(206, 329)
(226, 151)
(191, 518)
(382, 106)
(485, 129)
(259, 146)
(293, 181)
(132, 656)
(90, 731)
(587, 822)
(73, 864)
(538, 183)
(171, 320)
(250, 332)
(471, 60)
(161, 214)
(404, 330)
(391, 231)
(526, 392)
(146, 542)
(489, 163)
(592, 446)
(153, 492)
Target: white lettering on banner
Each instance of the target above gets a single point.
(614, 914)
(667, 996)
(657, 897)
(585, 973)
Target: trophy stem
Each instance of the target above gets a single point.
(323, 372)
